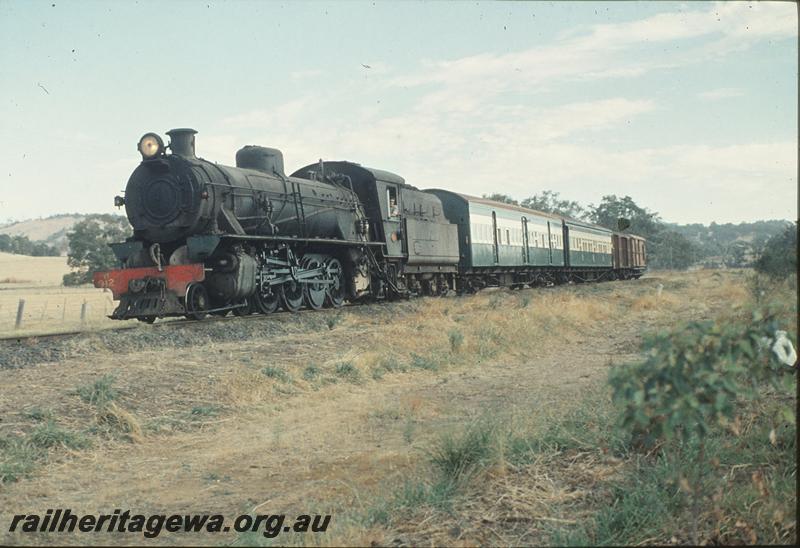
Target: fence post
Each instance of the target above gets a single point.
(20, 312)
(64, 310)
(84, 306)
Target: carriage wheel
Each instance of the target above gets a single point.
(196, 302)
(335, 292)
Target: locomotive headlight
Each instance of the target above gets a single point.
(150, 145)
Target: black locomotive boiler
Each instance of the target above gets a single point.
(209, 238)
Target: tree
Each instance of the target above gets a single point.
(736, 254)
(551, 202)
(22, 245)
(779, 257)
(88, 246)
(643, 221)
(671, 250)
(504, 198)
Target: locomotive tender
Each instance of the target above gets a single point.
(209, 238)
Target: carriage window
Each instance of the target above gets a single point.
(391, 201)
(508, 237)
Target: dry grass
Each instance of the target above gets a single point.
(42, 271)
(339, 414)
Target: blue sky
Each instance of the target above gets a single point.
(690, 108)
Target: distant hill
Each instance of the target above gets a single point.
(50, 230)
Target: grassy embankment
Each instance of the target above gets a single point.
(515, 475)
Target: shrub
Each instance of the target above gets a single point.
(689, 382)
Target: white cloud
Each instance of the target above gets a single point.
(720, 93)
(279, 115)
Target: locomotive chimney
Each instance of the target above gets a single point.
(181, 142)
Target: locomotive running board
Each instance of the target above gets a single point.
(331, 241)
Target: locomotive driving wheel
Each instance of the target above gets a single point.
(314, 293)
(291, 295)
(267, 301)
(196, 302)
(335, 292)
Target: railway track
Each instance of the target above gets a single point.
(167, 323)
(175, 322)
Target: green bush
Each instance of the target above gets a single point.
(688, 385)
(779, 257)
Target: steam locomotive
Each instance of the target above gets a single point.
(214, 239)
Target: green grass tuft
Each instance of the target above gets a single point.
(457, 456)
(17, 458)
(311, 372)
(276, 373)
(204, 411)
(456, 340)
(38, 414)
(100, 392)
(348, 371)
(49, 435)
(422, 362)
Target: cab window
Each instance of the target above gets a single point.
(393, 209)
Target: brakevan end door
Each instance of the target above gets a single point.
(526, 258)
(566, 245)
(550, 242)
